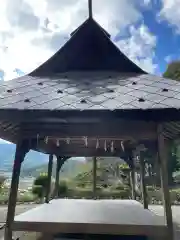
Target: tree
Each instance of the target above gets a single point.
(2, 180)
(63, 189)
(41, 180)
(38, 191)
(173, 160)
(40, 185)
(173, 71)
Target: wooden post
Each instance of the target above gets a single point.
(58, 167)
(22, 148)
(143, 184)
(60, 162)
(132, 181)
(162, 151)
(94, 176)
(50, 166)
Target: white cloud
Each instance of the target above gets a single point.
(170, 12)
(31, 31)
(21, 15)
(140, 47)
(147, 2)
(168, 58)
(4, 142)
(116, 15)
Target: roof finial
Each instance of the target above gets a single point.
(90, 8)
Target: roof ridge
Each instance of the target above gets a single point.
(89, 48)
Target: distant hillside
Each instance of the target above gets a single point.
(108, 172)
(36, 163)
(70, 168)
(7, 152)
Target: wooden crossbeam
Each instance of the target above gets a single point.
(121, 130)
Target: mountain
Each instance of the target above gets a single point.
(34, 162)
(32, 159)
(70, 168)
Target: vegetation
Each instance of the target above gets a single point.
(69, 169)
(173, 71)
(26, 197)
(40, 185)
(109, 184)
(173, 161)
(2, 180)
(112, 183)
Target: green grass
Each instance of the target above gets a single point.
(22, 198)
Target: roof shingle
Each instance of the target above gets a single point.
(91, 91)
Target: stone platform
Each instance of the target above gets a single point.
(110, 217)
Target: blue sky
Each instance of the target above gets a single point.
(168, 40)
(147, 31)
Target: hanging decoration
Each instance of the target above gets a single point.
(97, 143)
(112, 146)
(93, 141)
(105, 146)
(57, 142)
(85, 141)
(122, 145)
(68, 140)
(46, 140)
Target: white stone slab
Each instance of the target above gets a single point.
(68, 215)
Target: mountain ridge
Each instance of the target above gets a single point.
(34, 162)
(7, 153)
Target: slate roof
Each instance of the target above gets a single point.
(89, 49)
(90, 91)
(89, 73)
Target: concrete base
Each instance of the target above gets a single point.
(116, 217)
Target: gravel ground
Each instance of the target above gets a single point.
(176, 218)
(23, 208)
(19, 209)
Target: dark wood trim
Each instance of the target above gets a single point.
(50, 166)
(132, 182)
(156, 115)
(94, 176)
(128, 130)
(143, 184)
(22, 149)
(162, 146)
(59, 164)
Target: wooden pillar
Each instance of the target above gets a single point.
(60, 162)
(58, 167)
(162, 153)
(143, 184)
(22, 149)
(132, 181)
(48, 190)
(94, 176)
